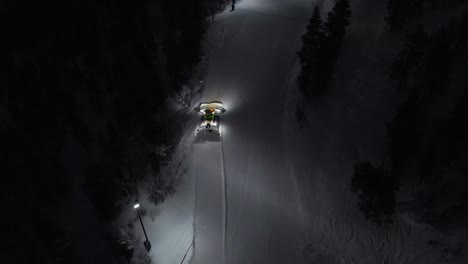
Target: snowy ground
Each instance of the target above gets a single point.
(250, 71)
(270, 192)
(169, 225)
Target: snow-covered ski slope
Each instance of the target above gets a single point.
(258, 218)
(271, 193)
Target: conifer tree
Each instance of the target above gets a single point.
(337, 21)
(321, 45)
(376, 190)
(401, 12)
(335, 28)
(394, 19)
(309, 54)
(410, 59)
(462, 42)
(437, 67)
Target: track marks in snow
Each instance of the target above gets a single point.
(225, 204)
(209, 204)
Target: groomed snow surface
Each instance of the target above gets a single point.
(270, 192)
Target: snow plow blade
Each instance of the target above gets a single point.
(216, 106)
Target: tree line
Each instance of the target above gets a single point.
(401, 13)
(427, 139)
(82, 84)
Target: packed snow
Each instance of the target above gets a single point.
(249, 72)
